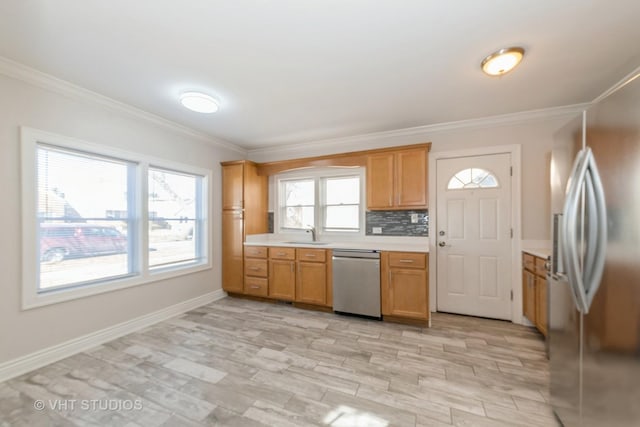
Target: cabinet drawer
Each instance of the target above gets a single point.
(282, 253)
(317, 255)
(528, 262)
(407, 259)
(255, 286)
(255, 267)
(540, 268)
(255, 251)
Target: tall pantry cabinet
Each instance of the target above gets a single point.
(244, 211)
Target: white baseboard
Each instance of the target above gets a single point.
(38, 359)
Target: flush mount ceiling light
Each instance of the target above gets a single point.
(502, 61)
(199, 102)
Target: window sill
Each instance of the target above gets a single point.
(32, 299)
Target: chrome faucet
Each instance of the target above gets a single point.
(312, 230)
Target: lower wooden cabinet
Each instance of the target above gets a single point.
(312, 276)
(542, 310)
(529, 295)
(282, 273)
(534, 291)
(232, 254)
(404, 285)
(256, 271)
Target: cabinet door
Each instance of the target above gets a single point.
(282, 279)
(232, 186)
(541, 304)
(232, 251)
(380, 181)
(529, 296)
(411, 178)
(408, 293)
(311, 283)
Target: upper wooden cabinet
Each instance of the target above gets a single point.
(397, 179)
(244, 211)
(233, 186)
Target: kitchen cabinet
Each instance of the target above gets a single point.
(397, 179)
(244, 211)
(404, 285)
(282, 273)
(534, 291)
(232, 251)
(312, 276)
(529, 295)
(256, 271)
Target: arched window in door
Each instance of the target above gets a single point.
(472, 178)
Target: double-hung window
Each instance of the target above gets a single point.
(330, 200)
(98, 219)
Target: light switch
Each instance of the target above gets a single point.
(377, 230)
(414, 218)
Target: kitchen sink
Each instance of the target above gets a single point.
(307, 243)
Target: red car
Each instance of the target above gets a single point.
(60, 241)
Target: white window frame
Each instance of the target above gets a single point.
(318, 175)
(31, 298)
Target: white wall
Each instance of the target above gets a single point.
(23, 332)
(535, 136)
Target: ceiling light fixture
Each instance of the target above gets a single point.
(199, 102)
(502, 61)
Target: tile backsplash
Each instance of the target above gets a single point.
(270, 219)
(393, 223)
(398, 223)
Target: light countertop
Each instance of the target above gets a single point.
(539, 252)
(390, 243)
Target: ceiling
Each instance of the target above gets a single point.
(290, 71)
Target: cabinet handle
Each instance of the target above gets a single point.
(254, 287)
(310, 255)
(281, 254)
(408, 261)
(254, 268)
(292, 268)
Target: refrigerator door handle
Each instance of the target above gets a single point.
(596, 251)
(569, 231)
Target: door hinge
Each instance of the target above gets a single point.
(512, 233)
(510, 170)
(512, 295)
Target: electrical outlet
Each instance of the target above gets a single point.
(414, 218)
(377, 230)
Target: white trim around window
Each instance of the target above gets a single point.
(319, 177)
(138, 220)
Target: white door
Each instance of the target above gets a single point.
(473, 235)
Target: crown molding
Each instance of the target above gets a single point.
(619, 85)
(37, 78)
(377, 138)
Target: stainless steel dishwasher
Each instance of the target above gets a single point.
(356, 282)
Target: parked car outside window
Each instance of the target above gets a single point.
(71, 240)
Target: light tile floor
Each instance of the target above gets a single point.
(243, 363)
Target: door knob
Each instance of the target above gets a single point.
(442, 244)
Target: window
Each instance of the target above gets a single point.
(330, 200)
(86, 230)
(79, 242)
(472, 178)
(173, 218)
(298, 207)
(342, 203)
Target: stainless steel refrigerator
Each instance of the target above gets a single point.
(594, 279)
